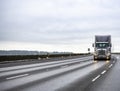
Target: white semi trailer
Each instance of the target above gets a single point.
(102, 47)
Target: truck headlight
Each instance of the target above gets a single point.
(108, 54)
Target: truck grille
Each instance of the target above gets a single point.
(101, 52)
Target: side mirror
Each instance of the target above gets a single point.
(93, 45)
(110, 45)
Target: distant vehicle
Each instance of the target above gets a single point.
(102, 47)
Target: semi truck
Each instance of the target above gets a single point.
(102, 47)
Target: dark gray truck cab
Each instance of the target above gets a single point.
(102, 47)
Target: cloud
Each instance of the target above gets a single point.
(58, 22)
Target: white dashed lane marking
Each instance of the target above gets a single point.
(110, 65)
(18, 76)
(64, 66)
(95, 78)
(103, 72)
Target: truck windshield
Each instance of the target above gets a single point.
(102, 45)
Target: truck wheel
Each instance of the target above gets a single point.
(95, 59)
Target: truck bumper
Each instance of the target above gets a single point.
(102, 57)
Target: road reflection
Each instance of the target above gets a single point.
(98, 62)
(107, 61)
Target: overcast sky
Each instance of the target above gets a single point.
(57, 25)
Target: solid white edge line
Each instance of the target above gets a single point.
(103, 72)
(64, 66)
(95, 78)
(18, 76)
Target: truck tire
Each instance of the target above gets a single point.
(95, 58)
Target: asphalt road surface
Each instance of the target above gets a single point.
(109, 81)
(77, 74)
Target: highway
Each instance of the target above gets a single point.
(75, 74)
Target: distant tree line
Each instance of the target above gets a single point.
(22, 52)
